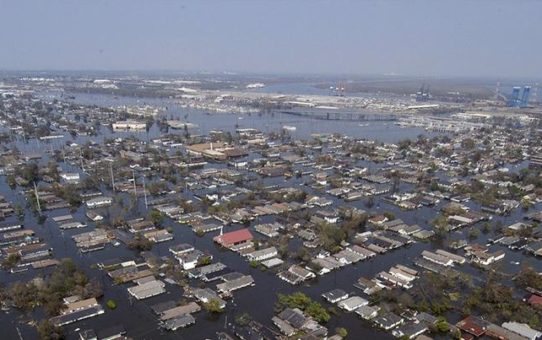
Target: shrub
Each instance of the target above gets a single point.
(111, 304)
(342, 332)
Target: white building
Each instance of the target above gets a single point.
(352, 303)
(97, 202)
(129, 125)
(262, 254)
(70, 177)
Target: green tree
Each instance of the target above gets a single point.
(243, 319)
(205, 260)
(156, 217)
(111, 304)
(342, 332)
(317, 312)
(213, 306)
(305, 303)
(473, 233)
(442, 325)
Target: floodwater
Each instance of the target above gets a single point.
(257, 301)
(384, 131)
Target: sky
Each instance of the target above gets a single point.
(412, 37)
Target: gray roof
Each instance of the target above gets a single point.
(294, 317)
(335, 294)
(181, 321)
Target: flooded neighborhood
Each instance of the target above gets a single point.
(270, 170)
(248, 216)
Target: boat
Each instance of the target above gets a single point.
(289, 128)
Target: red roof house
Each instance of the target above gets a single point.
(535, 300)
(472, 325)
(234, 237)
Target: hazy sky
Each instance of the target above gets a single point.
(411, 37)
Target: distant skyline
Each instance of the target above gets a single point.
(414, 38)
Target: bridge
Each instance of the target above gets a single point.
(351, 116)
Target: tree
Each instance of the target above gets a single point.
(405, 300)
(342, 332)
(140, 243)
(331, 237)
(243, 319)
(10, 179)
(302, 254)
(48, 331)
(389, 215)
(19, 211)
(468, 143)
(442, 325)
(111, 304)
(486, 227)
(52, 303)
(305, 303)
(93, 289)
(156, 217)
(473, 233)
(52, 170)
(156, 188)
(89, 183)
(69, 193)
(23, 295)
(534, 321)
(528, 277)
(204, 260)
(455, 333)
(317, 312)
(30, 172)
(11, 261)
(213, 306)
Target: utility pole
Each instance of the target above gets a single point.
(112, 177)
(81, 158)
(19, 333)
(133, 179)
(145, 194)
(37, 197)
